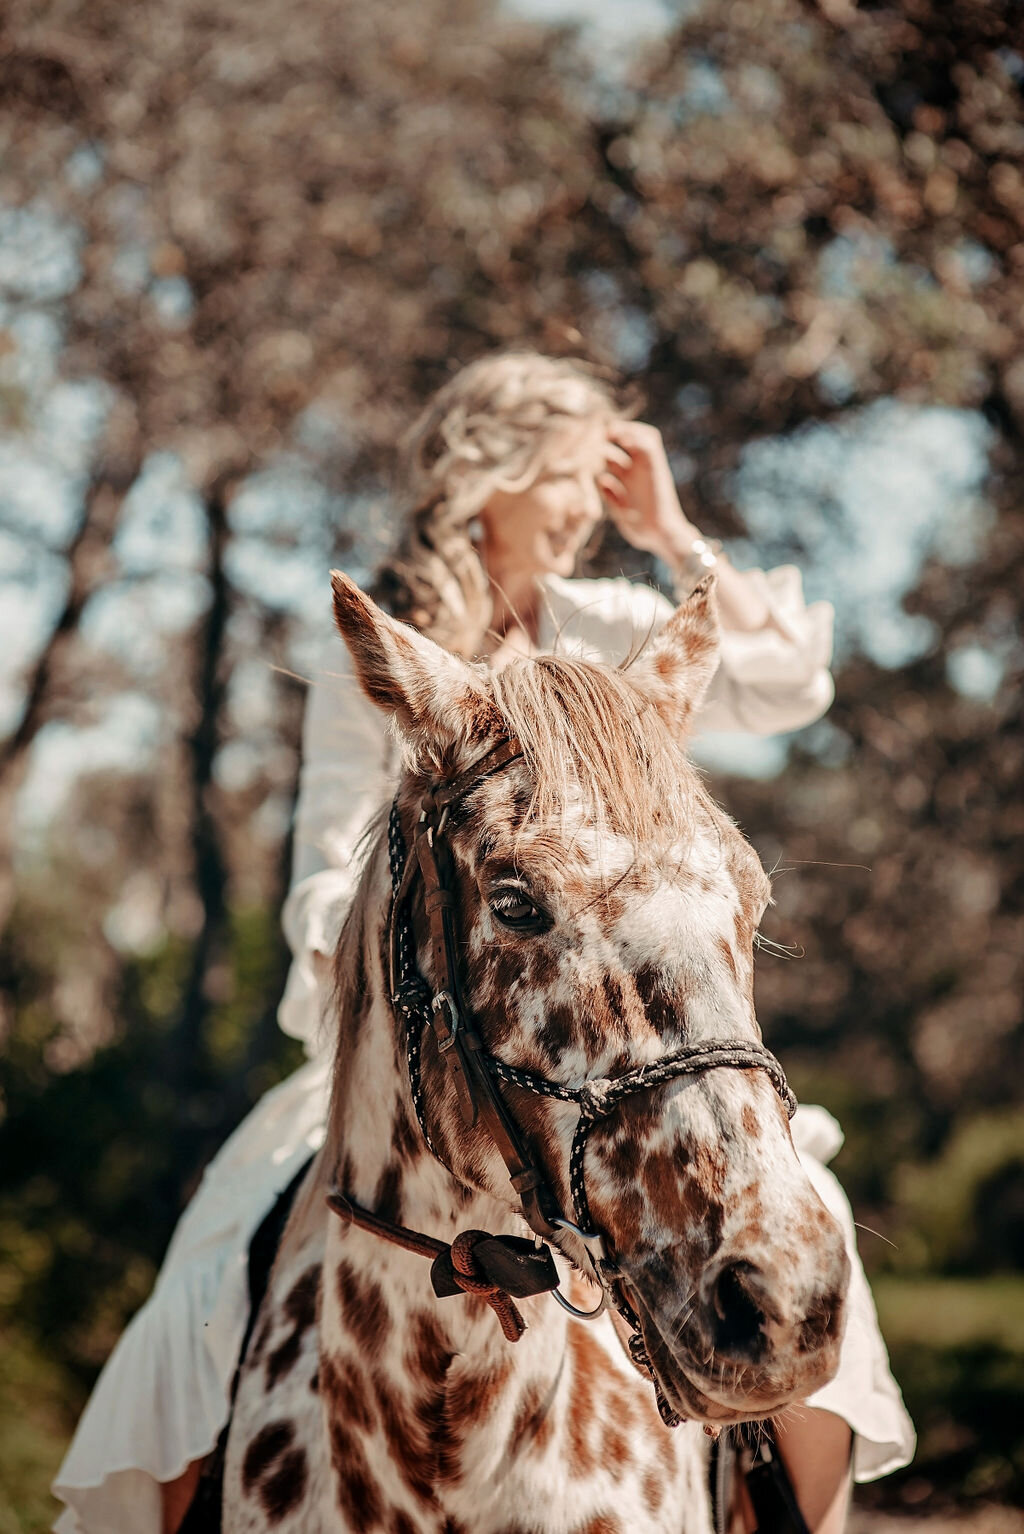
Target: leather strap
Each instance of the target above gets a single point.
(502, 755)
(474, 1263)
(458, 1042)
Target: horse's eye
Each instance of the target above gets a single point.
(515, 910)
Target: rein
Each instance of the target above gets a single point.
(500, 1267)
(494, 1267)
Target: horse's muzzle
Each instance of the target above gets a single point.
(753, 1337)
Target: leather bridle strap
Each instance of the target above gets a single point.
(474, 1263)
(502, 755)
(458, 1042)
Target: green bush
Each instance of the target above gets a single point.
(967, 1206)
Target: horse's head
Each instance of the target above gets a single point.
(606, 911)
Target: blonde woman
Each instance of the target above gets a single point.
(508, 472)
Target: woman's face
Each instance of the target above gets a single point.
(542, 530)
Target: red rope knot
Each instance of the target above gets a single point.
(471, 1280)
(594, 1102)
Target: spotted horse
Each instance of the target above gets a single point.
(546, 1044)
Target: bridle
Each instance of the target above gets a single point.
(499, 1267)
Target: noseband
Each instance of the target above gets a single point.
(506, 1265)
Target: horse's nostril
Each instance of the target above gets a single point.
(737, 1317)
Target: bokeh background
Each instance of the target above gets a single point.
(240, 241)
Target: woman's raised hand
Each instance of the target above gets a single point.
(642, 502)
(641, 496)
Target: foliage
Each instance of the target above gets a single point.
(98, 1157)
(966, 1205)
(34, 1408)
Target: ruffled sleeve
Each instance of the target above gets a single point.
(767, 682)
(778, 678)
(347, 762)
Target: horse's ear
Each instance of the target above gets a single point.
(437, 699)
(684, 657)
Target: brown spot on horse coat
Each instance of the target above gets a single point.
(614, 1448)
(269, 1444)
(358, 1494)
(662, 1009)
(555, 1032)
(427, 1352)
(410, 1447)
(471, 1397)
(606, 1010)
(300, 1309)
(276, 1469)
(586, 1384)
(749, 1121)
(654, 1490)
(624, 1157)
(405, 1135)
(282, 1491)
(387, 1200)
(421, 1446)
(532, 1423)
(364, 1308)
(685, 1193)
(346, 1391)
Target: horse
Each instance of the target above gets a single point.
(549, 1082)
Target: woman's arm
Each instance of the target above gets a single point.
(776, 650)
(816, 1448)
(344, 777)
(645, 507)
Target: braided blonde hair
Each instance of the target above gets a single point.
(496, 426)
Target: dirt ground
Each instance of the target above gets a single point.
(983, 1520)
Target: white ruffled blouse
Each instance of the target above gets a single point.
(164, 1394)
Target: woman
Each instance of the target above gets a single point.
(509, 469)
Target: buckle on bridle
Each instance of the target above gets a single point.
(441, 1000)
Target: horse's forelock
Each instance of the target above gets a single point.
(594, 740)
